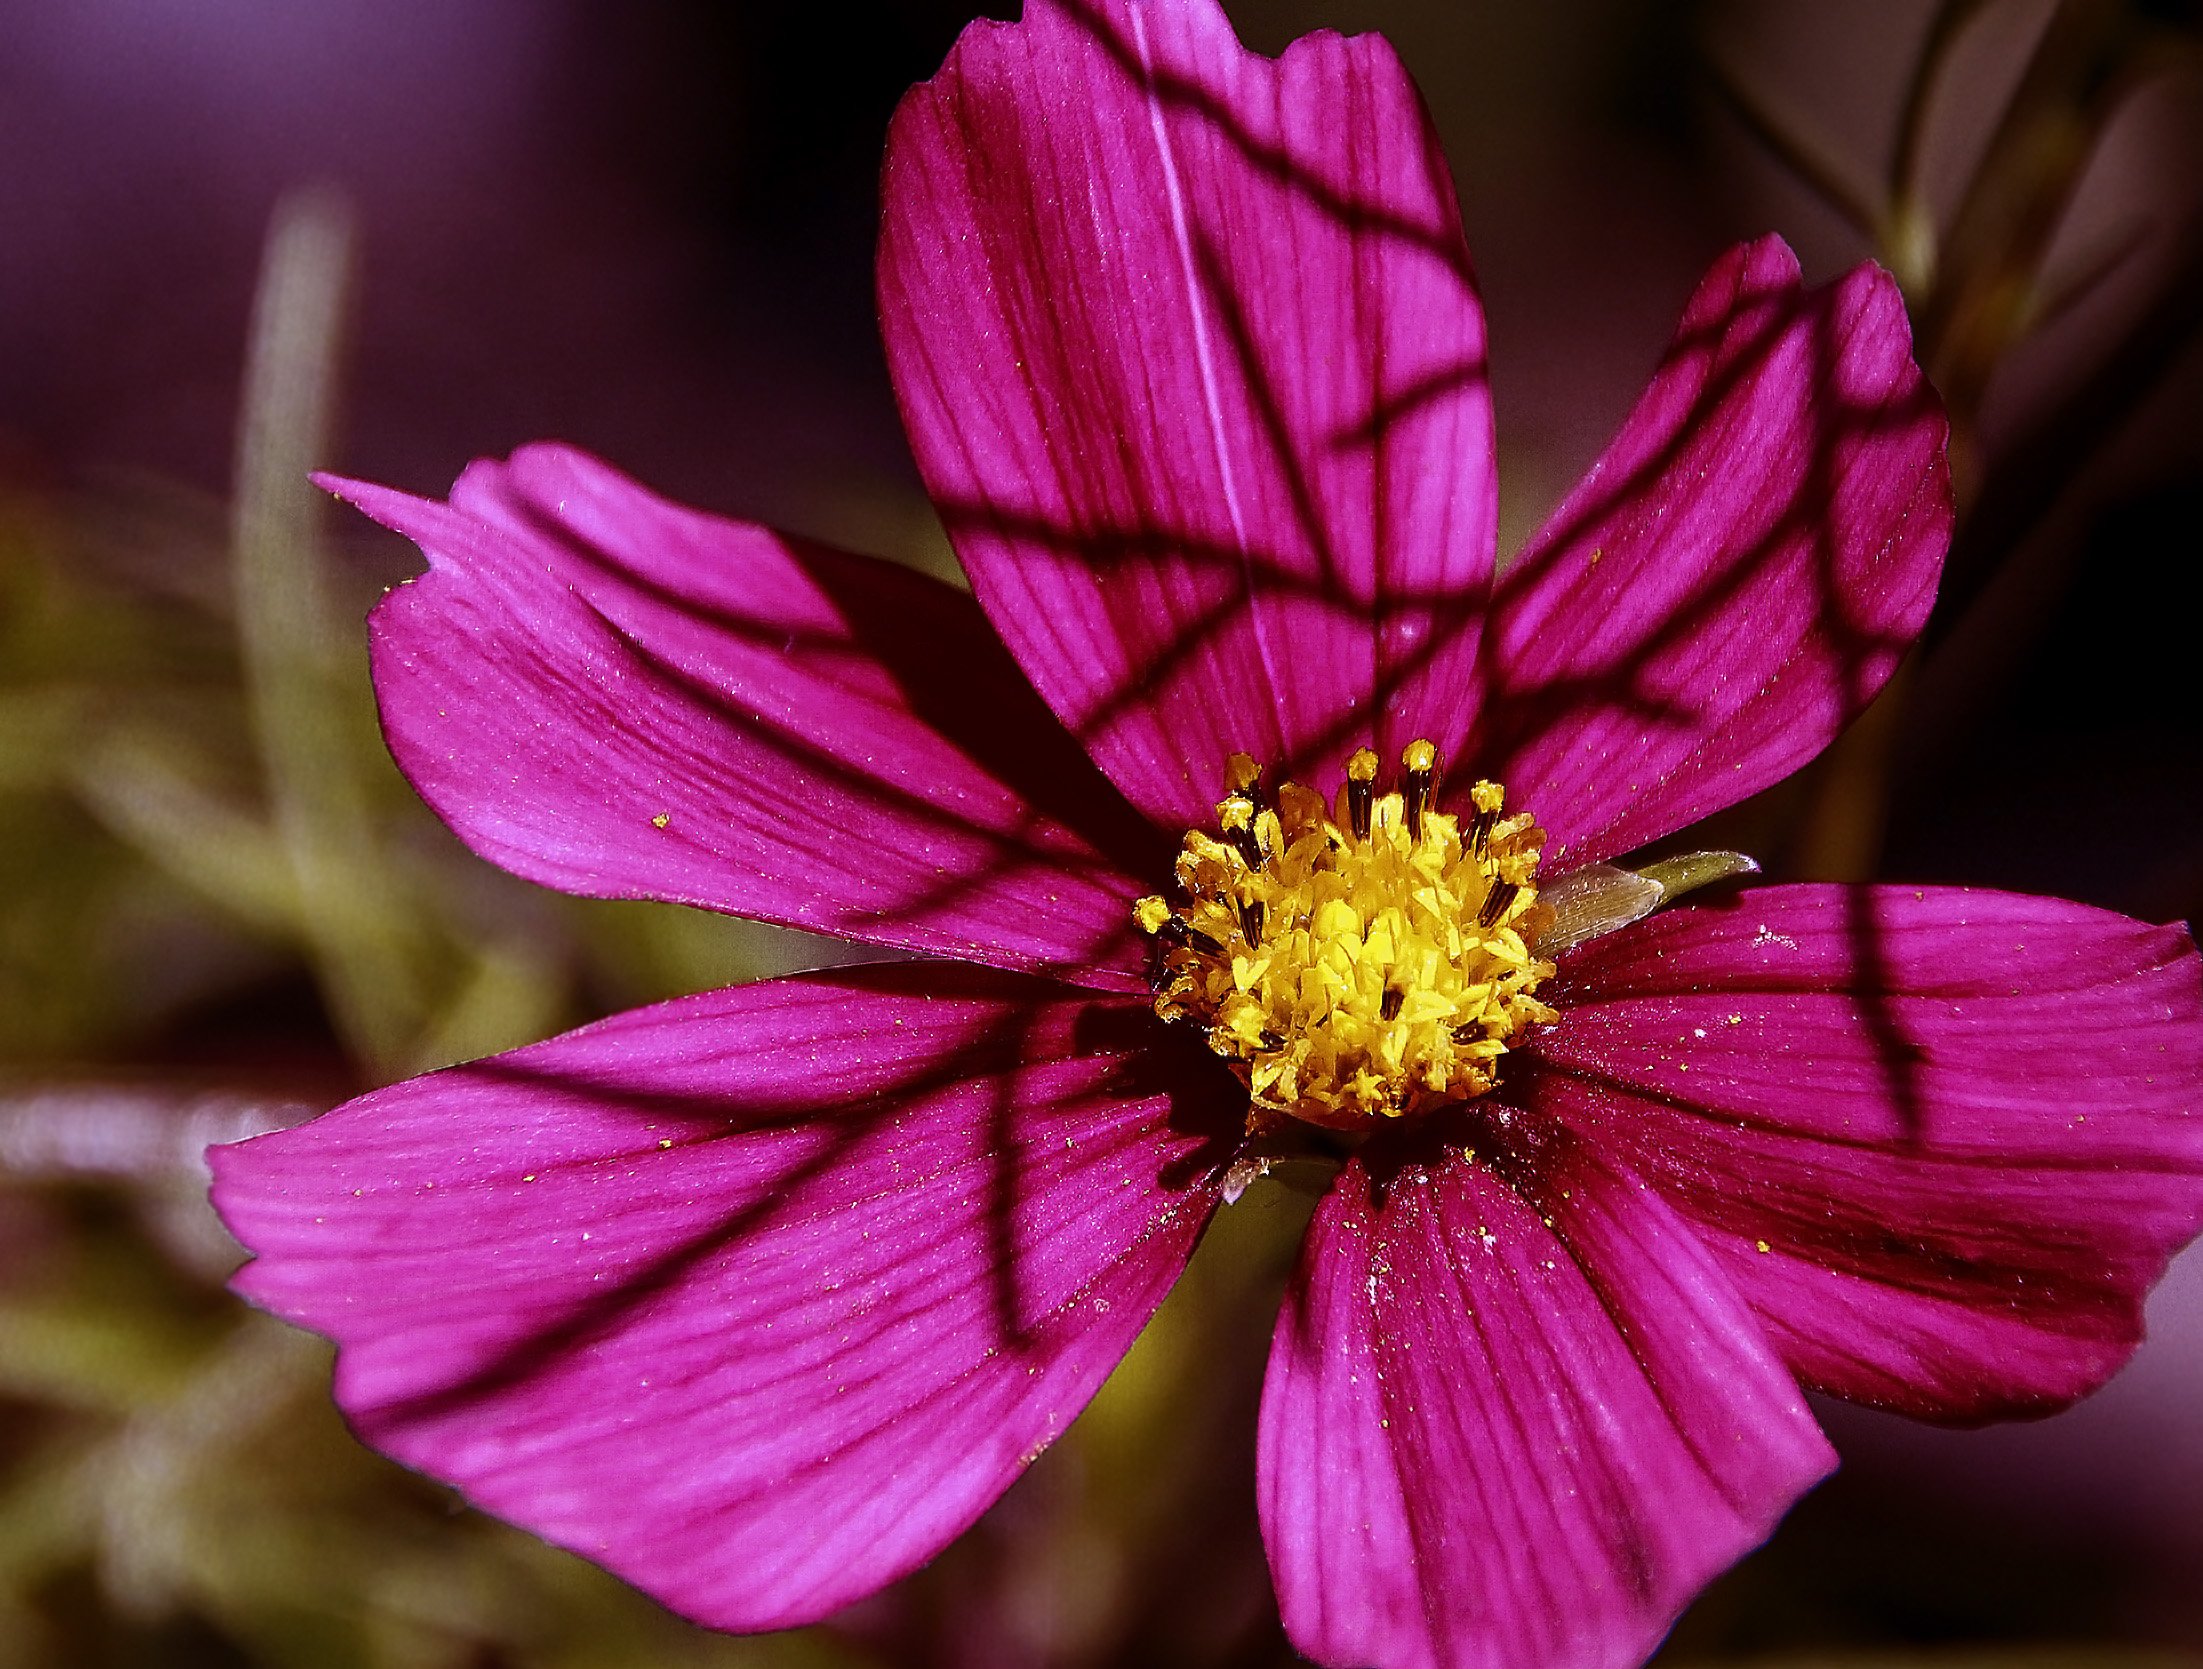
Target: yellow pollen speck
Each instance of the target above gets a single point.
(661, 820)
(1763, 1246)
(1367, 958)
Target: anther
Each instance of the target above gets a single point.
(1421, 761)
(1236, 818)
(1252, 917)
(1487, 798)
(1180, 931)
(1245, 778)
(1496, 902)
(1361, 791)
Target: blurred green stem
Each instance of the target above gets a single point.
(1909, 239)
(1993, 251)
(289, 638)
(1791, 145)
(1974, 291)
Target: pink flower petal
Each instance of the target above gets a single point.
(1192, 361)
(758, 1297)
(615, 696)
(1510, 1425)
(1943, 1141)
(1737, 575)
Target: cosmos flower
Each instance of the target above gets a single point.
(1305, 844)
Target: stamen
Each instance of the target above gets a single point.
(1486, 818)
(1361, 791)
(1181, 931)
(1236, 817)
(1421, 762)
(1349, 974)
(1496, 902)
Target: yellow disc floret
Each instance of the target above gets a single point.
(1366, 959)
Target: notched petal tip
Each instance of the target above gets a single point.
(1739, 573)
(758, 1344)
(1944, 1141)
(1207, 383)
(610, 694)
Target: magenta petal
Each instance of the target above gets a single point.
(612, 695)
(1736, 576)
(1511, 1425)
(1943, 1141)
(759, 1297)
(1190, 355)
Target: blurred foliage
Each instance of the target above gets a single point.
(214, 885)
(1979, 285)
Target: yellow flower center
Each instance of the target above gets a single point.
(1366, 959)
